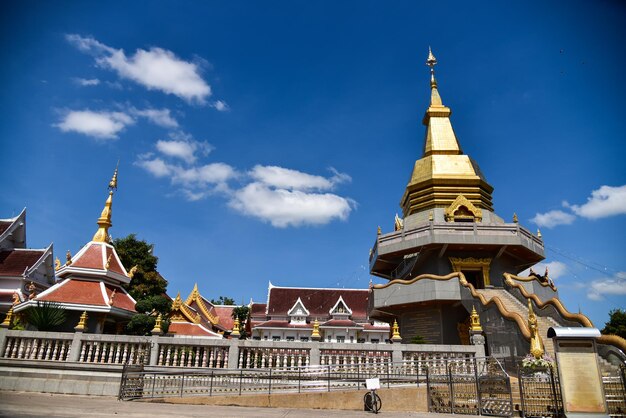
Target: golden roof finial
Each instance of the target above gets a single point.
(82, 322)
(316, 329)
(515, 219)
(8, 319)
(104, 221)
(157, 325)
(475, 321)
(395, 332)
(236, 328)
(538, 233)
(431, 61)
(68, 258)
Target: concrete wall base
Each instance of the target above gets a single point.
(412, 399)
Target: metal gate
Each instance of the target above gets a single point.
(494, 390)
(540, 392)
(470, 387)
(131, 385)
(614, 382)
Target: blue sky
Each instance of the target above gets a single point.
(267, 141)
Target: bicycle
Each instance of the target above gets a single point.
(371, 400)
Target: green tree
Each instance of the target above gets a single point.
(223, 300)
(147, 286)
(146, 279)
(616, 324)
(418, 339)
(241, 313)
(46, 316)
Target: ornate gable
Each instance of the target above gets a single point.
(182, 312)
(340, 309)
(462, 210)
(196, 297)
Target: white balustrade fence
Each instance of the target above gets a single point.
(37, 348)
(114, 352)
(193, 356)
(260, 358)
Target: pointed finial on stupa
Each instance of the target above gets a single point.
(515, 219)
(104, 221)
(431, 61)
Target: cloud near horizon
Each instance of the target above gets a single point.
(603, 202)
(155, 69)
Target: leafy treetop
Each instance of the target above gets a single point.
(616, 324)
(223, 300)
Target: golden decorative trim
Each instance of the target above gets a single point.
(57, 264)
(316, 329)
(614, 340)
(398, 223)
(531, 278)
(181, 311)
(513, 316)
(8, 319)
(471, 263)
(236, 328)
(576, 317)
(68, 258)
(450, 214)
(195, 296)
(536, 343)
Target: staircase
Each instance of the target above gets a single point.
(513, 305)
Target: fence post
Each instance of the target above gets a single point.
(299, 377)
(3, 339)
(154, 350)
(75, 347)
(314, 354)
(153, 383)
(329, 377)
(388, 366)
(450, 385)
(233, 353)
(211, 387)
(428, 400)
(182, 384)
(270, 383)
(240, 380)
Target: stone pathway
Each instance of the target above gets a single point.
(28, 404)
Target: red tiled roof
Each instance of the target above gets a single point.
(14, 262)
(86, 292)
(258, 309)
(121, 300)
(113, 264)
(4, 225)
(224, 313)
(186, 328)
(282, 324)
(318, 301)
(75, 291)
(340, 323)
(91, 258)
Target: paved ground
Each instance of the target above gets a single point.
(23, 404)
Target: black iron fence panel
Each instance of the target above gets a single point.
(439, 390)
(614, 383)
(132, 382)
(540, 392)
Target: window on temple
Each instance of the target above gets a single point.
(340, 310)
(291, 339)
(341, 339)
(304, 339)
(275, 338)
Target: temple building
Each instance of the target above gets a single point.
(89, 284)
(316, 314)
(198, 317)
(23, 271)
(451, 253)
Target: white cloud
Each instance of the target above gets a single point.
(155, 69)
(220, 106)
(156, 166)
(604, 202)
(284, 208)
(87, 82)
(615, 285)
(553, 218)
(101, 125)
(285, 178)
(160, 117)
(556, 269)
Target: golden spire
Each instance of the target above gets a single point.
(104, 221)
(475, 321)
(316, 329)
(157, 330)
(444, 171)
(395, 332)
(82, 322)
(236, 328)
(8, 319)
